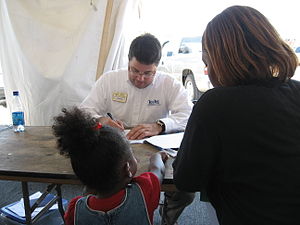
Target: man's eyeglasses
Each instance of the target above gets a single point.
(135, 72)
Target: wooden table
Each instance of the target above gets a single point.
(32, 156)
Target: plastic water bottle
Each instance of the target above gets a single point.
(17, 113)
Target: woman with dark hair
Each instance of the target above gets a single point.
(242, 143)
(102, 159)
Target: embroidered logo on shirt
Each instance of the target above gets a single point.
(119, 97)
(153, 102)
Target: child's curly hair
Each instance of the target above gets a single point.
(96, 154)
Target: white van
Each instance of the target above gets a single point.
(183, 59)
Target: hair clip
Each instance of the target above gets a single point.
(98, 126)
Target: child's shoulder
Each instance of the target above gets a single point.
(69, 214)
(147, 180)
(74, 200)
(150, 187)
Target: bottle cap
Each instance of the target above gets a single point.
(15, 93)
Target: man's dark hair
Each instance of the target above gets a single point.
(96, 155)
(146, 49)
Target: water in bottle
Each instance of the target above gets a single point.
(17, 113)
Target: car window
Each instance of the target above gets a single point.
(190, 45)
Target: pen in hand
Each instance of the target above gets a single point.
(119, 123)
(110, 116)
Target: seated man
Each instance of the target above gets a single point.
(140, 98)
(144, 100)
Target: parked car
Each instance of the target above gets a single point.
(183, 59)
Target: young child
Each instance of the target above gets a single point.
(102, 159)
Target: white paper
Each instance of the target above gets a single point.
(141, 141)
(126, 131)
(167, 140)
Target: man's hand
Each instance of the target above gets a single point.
(113, 123)
(144, 130)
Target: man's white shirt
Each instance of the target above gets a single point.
(164, 99)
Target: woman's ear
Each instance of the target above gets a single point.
(128, 171)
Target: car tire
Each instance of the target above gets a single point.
(3, 103)
(190, 86)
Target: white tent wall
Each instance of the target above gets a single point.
(49, 51)
(127, 26)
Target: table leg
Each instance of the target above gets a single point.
(162, 209)
(26, 202)
(59, 202)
